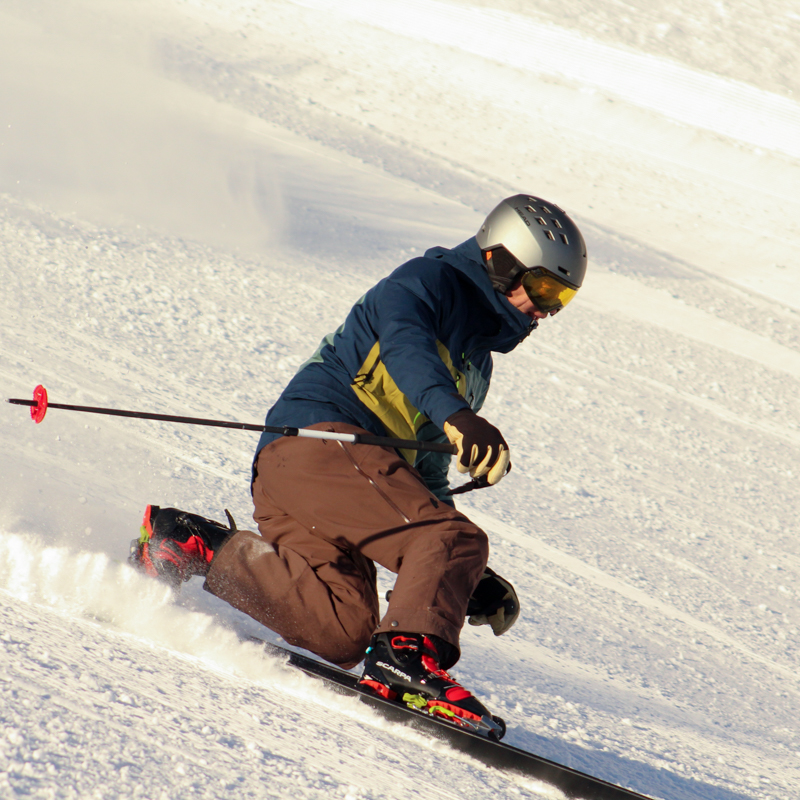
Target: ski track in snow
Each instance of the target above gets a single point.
(730, 108)
(207, 199)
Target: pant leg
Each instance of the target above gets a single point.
(438, 554)
(365, 501)
(314, 594)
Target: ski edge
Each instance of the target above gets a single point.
(572, 782)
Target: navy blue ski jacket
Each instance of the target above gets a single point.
(413, 350)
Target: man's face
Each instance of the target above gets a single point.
(518, 298)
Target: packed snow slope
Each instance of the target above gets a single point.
(192, 193)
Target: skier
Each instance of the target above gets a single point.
(413, 361)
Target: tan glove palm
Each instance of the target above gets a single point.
(494, 602)
(482, 450)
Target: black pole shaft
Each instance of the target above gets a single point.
(380, 441)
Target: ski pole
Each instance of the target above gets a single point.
(40, 404)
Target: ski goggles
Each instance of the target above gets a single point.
(545, 291)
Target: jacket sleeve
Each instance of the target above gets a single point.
(414, 310)
(433, 467)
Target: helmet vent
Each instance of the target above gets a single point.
(565, 271)
(550, 236)
(556, 223)
(546, 210)
(564, 238)
(541, 221)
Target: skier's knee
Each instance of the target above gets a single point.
(346, 652)
(471, 543)
(346, 643)
(482, 545)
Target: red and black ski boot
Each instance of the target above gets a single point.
(406, 668)
(174, 545)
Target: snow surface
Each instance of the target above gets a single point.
(193, 192)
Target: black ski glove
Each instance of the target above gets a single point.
(494, 602)
(482, 450)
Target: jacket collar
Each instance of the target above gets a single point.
(466, 257)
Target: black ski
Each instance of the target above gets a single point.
(495, 754)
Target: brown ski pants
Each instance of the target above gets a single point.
(325, 512)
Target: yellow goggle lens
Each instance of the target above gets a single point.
(546, 291)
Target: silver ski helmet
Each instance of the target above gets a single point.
(533, 238)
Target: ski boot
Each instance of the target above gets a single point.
(405, 667)
(174, 545)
